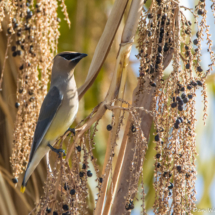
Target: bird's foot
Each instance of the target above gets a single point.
(58, 151)
(71, 130)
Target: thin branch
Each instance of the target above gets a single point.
(5, 58)
(6, 111)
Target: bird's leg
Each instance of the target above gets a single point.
(58, 151)
(71, 130)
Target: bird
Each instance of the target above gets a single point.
(58, 110)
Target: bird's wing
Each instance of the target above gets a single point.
(48, 110)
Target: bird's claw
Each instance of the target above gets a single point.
(58, 151)
(71, 130)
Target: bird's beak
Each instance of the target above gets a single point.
(79, 57)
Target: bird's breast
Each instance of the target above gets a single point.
(64, 116)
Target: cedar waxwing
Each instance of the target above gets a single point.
(58, 110)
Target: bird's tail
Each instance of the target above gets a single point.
(24, 182)
(38, 155)
(22, 189)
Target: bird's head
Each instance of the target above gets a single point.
(66, 61)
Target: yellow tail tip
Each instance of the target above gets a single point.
(22, 189)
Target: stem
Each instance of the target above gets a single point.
(104, 44)
(117, 169)
(5, 58)
(115, 90)
(127, 37)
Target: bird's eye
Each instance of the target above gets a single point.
(70, 56)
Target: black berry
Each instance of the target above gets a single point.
(17, 104)
(174, 104)
(189, 87)
(199, 69)
(81, 174)
(29, 14)
(150, 16)
(15, 180)
(176, 125)
(19, 52)
(185, 100)
(170, 186)
(13, 48)
(195, 42)
(199, 83)
(109, 127)
(165, 174)
(178, 168)
(89, 173)
(9, 31)
(66, 187)
(14, 54)
(180, 103)
(187, 66)
(21, 67)
(183, 95)
(157, 138)
(200, 12)
(133, 128)
(190, 96)
(193, 83)
(178, 99)
(129, 206)
(78, 148)
(72, 192)
(178, 121)
(48, 210)
(158, 156)
(153, 84)
(181, 120)
(66, 207)
(180, 108)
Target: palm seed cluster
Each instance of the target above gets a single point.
(164, 31)
(71, 182)
(32, 30)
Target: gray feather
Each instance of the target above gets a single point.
(48, 110)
